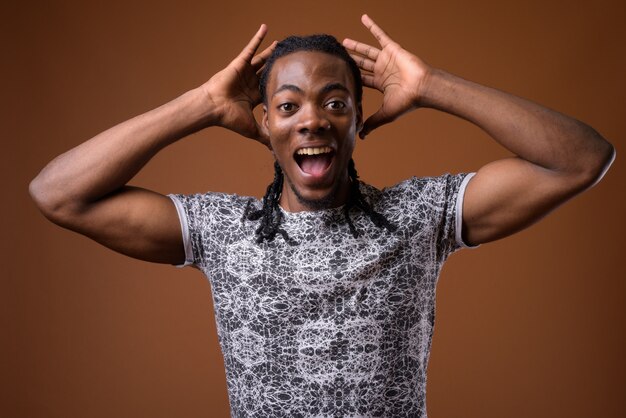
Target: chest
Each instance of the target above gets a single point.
(329, 278)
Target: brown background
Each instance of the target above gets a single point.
(529, 326)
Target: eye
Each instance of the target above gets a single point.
(287, 107)
(336, 105)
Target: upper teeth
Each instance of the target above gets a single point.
(313, 151)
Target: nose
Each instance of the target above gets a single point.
(312, 121)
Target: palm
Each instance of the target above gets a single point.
(234, 91)
(392, 70)
(394, 75)
(236, 97)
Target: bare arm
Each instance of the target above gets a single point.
(85, 188)
(557, 156)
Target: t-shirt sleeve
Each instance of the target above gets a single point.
(182, 205)
(196, 213)
(450, 233)
(207, 219)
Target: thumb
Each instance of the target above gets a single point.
(376, 120)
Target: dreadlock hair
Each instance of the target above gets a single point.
(356, 199)
(270, 214)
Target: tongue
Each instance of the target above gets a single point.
(315, 164)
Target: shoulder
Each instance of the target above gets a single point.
(211, 205)
(416, 189)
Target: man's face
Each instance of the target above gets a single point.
(311, 117)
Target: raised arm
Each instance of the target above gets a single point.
(557, 156)
(85, 188)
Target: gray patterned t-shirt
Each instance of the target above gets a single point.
(335, 326)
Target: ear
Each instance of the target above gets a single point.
(265, 127)
(359, 118)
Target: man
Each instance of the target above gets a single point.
(324, 291)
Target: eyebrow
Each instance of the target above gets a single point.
(289, 87)
(334, 86)
(327, 88)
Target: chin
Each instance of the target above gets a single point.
(317, 200)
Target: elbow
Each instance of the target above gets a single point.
(598, 163)
(605, 159)
(39, 193)
(49, 201)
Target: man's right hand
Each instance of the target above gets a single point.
(233, 93)
(85, 189)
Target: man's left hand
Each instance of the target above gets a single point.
(393, 71)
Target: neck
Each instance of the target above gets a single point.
(292, 200)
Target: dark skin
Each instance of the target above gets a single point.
(85, 188)
(311, 104)
(556, 158)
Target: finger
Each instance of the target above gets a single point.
(368, 81)
(363, 62)
(248, 52)
(376, 120)
(363, 49)
(378, 33)
(258, 61)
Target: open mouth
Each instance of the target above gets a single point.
(314, 160)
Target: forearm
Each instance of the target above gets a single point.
(109, 160)
(532, 132)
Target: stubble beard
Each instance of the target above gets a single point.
(326, 202)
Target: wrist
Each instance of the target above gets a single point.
(422, 86)
(200, 107)
(434, 85)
